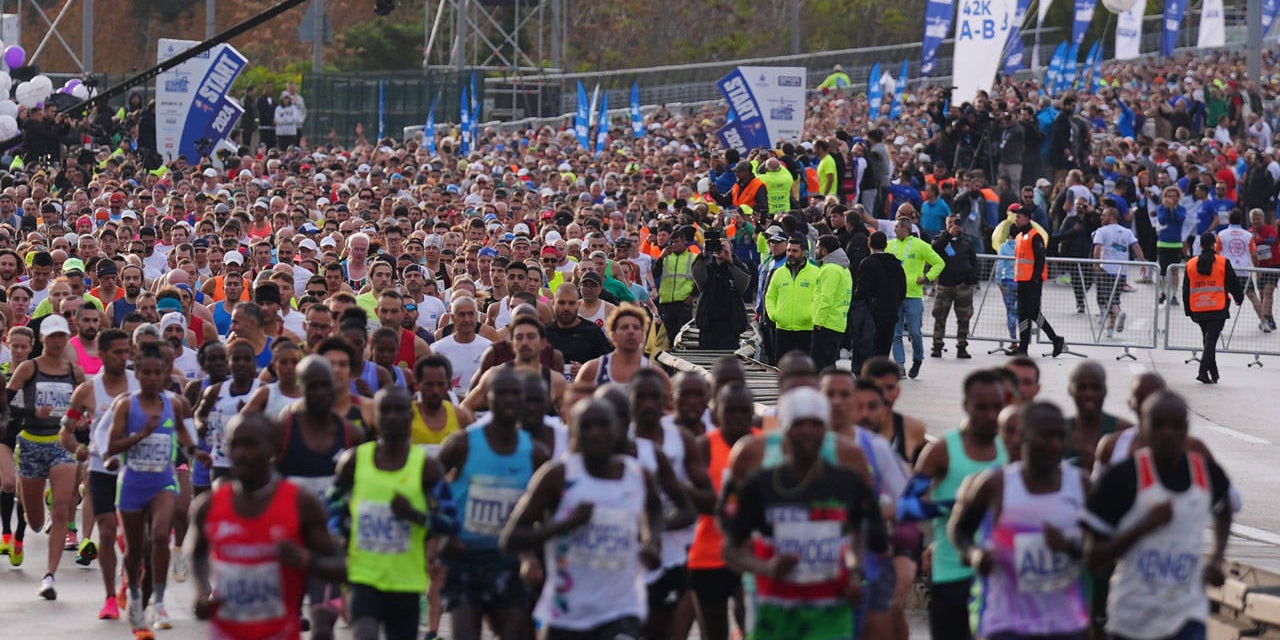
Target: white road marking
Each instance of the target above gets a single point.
(1256, 534)
(1236, 434)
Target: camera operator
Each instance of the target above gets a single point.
(1075, 240)
(1011, 146)
(724, 281)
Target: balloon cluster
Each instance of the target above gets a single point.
(30, 94)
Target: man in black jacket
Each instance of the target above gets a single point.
(955, 287)
(1011, 145)
(267, 117)
(723, 279)
(879, 287)
(1061, 149)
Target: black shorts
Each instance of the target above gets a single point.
(1168, 256)
(627, 628)
(102, 492)
(488, 589)
(714, 584)
(396, 612)
(669, 587)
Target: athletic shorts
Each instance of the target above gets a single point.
(488, 589)
(775, 622)
(714, 584)
(36, 458)
(877, 594)
(102, 492)
(669, 587)
(137, 498)
(396, 611)
(627, 628)
(1168, 256)
(907, 540)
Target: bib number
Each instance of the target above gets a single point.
(608, 542)
(249, 592)
(54, 394)
(380, 531)
(488, 508)
(818, 545)
(1039, 568)
(152, 454)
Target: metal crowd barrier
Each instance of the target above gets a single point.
(1074, 302)
(1244, 332)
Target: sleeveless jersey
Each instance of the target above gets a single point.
(946, 560)
(311, 470)
(504, 314)
(598, 317)
(486, 490)
(674, 543)
(604, 376)
(385, 552)
(100, 430)
(44, 390)
(91, 364)
(704, 552)
(148, 465)
(221, 320)
(431, 439)
(277, 402)
(225, 407)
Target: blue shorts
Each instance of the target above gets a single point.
(36, 458)
(137, 497)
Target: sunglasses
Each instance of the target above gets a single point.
(411, 307)
(319, 293)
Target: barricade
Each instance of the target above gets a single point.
(1243, 333)
(1074, 303)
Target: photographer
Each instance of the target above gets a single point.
(1011, 148)
(723, 281)
(1075, 240)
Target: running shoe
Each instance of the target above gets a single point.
(180, 568)
(122, 595)
(72, 542)
(1111, 332)
(1120, 322)
(46, 588)
(48, 497)
(6, 543)
(143, 634)
(109, 610)
(137, 617)
(88, 552)
(160, 617)
(15, 554)
(1264, 327)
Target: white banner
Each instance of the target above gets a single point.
(1042, 11)
(779, 93)
(191, 105)
(1213, 29)
(1129, 32)
(982, 28)
(175, 89)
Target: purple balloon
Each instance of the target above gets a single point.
(67, 90)
(72, 83)
(14, 56)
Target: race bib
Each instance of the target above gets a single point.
(1264, 252)
(214, 437)
(488, 508)
(1039, 568)
(248, 592)
(433, 450)
(54, 394)
(818, 545)
(608, 542)
(379, 531)
(152, 454)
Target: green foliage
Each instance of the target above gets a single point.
(381, 44)
(257, 75)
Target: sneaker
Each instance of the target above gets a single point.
(1173, 300)
(122, 595)
(160, 617)
(1264, 327)
(1161, 300)
(137, 617)
(936, 353)
(1059, 345)
(963, 354)
(1081, 308)
(1120, 322)
(180, 568)
(6, 543)
(48, 497)
(915, 369)
(88, 552)
(143, 634)
(46, 588)
(72, 542)
(15, 554)
(109, 610)
(1271, 322)
(1111, 332)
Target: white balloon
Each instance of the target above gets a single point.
(8, 108)
(42, 81)
(8, 127)
(80, 92)
(6, 83)
(27, 95)
(1119, 6)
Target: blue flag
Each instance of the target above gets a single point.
(464, 123)
(895, 107)
(1173, 10)
(1269, 10)
(382, 108)
(475, 122)
(475, 95)
(582, 119)
(1086, 76)
(1070, 68)
(1014, 51)
(602, 123)
(873, 91)
(1055, 68)
(637, 119)
(429, 129)
(1083, 16)
(937, 26)
(1097, 68)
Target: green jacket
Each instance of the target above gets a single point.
(789, 299)
(835, 292)
(914, 254)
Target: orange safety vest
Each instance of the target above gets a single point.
(747, 196)
(811, 180)
(1208, 293)
(704, 551)
(1024, 259)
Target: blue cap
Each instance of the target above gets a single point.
(490, 216)
(488, 252)
(307, 227)
(453, 188)
(508, 237)
(396, 176)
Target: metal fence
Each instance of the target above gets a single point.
(1075, 303)
(336, 102)
(1245, 333)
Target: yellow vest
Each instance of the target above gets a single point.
(677, 278)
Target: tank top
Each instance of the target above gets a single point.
(148, 465)
(370, 376)
(44, 390)
(100, 431)
(598, 577)
(900, 436)
(277, 402)
(432, 439)
(674, 543)
(946, 560)
(311, 470)
(259, 599)
(385, 552)
(121, 308)
(604, 376)
(486, 490)
(91, 364)
(1033, 591)
(1106, 425)
(1156, 587)
(221, 319)
(773, 449)
(224, 408)
(704, 552)
(598, 317)
(406, 355)
(504, 314)
(199, 472)
(263, 359)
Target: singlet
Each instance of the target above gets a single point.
(121, 308)
(100, 430)
(370, 376)
(277, 402)
(311, 470)
(604, 376)
(465, 358)
(385, 552)
(946, 560)
(259, 599)
(773, 449)
(91, 364)
(222, 319)
(504, 314)
(594, 573)
(224, 408)
(599, 316)
(1107, 425)
(263, 359)
(44, 390)
(704, 552)
(675, 542)
(900, 436)
(148, 465)
(1157, 585)
(486, 490)
(1033, 591)
(199, 472)
(406, 356)
(432, 439)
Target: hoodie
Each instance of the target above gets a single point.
(833, 292)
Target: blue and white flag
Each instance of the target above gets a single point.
(750, 126)
(1173, 10)
(1080, 22)
(637, 118)
(1054, 70)
(464, 123)
(582, 119)
(937, 26)
(1213, 28)
(1088, 78)
(602, 123)
(1129, 31)
(899, 90)
(475, 95)
(429, 129)
(1269, 10)
(1014, 52)
(982, 30)
(1098, 82)
(874, 91)
(191, 96)
(1070, 68)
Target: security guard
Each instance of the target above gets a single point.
(673, 271)
(1030, 272)
(749, 190)
(1204, 299)
(789, 299)
(779, 185)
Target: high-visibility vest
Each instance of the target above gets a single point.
(747, 195)
(1024, 259)
(677, 278)
(1208, 293)
(778, 186)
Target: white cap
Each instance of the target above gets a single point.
(322, 202)
(210, 173)
(553, 237)
(232, 257)
(245, 173)
(308, 244)
(173, 318)
(53, 323)
(328, 241)
(319, 178)
(364, 168)
(520, 228)
(128, 214)
(802, 403)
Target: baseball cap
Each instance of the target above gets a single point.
(550, 251)
(53, 323)
(552, 237)
(105, 268)
(433, 240)
(592, 276)
(308, 244)
(221, 207)
(128, 214)
(802, 403)
(1043, 183)
(232, 257)
(117, 198)
(210, 173)
(488, 252)
(775, 234)
(171, 319)
(520, 228)
(328, 241)
(73, 264)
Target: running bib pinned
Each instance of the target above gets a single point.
(54, 394)
(488, 507)
(818, 545)
(380, 531)
(152, 454)
(248, 592)
(1039, 568)
(607, 542)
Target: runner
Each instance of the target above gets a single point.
(212, 357)
(145, 427)
(1088, 389)
(256, 539)
(397, 497)
(528, 336)
(534, 420)
(221, 401)
(598, 517)
(273, 399)
(627, 327)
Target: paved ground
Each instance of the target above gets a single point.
(1235, 418)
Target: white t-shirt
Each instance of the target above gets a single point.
(1115, 241)
(188, 365)
(294, 322)
(1237, 246)
(465, 359)
(429, 312)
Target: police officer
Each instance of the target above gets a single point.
(673, 271)
(1030, 272)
